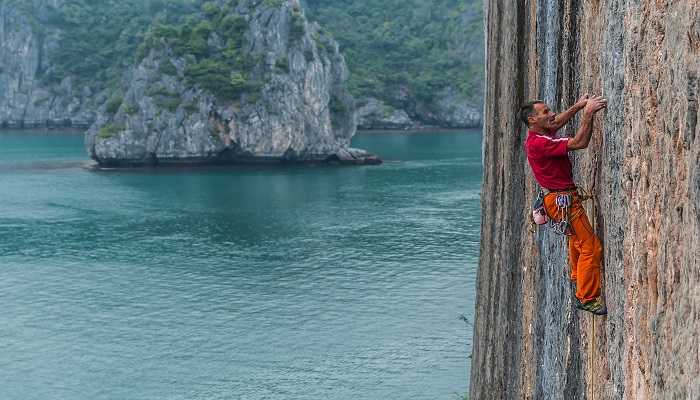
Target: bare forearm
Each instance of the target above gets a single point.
(583, 136)
(564, 117)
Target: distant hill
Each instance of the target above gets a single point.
(406, 52)
(411, 62)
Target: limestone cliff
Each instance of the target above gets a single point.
(286, 98)
(452, 113)
(529, 341)
(26, 41)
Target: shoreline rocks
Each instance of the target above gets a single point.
(453, 113)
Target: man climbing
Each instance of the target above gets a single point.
(552, 168)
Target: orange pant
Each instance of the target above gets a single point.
(585, 251)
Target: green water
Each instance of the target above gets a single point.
(239, 283)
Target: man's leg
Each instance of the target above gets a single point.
(550, 206)
(573, 259)
(590, 254)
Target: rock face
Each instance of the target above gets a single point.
(452, 113)
(529, 341)
(456, 113)
(300, 111)
(375, 115)
(25, 43)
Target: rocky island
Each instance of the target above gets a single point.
(61, 61)
(26, 101)
(238, 81)
(248, 82)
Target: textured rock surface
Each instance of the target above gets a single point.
(302, 113)
(456, 113)
(452, 113)
(25, 43)
(529, 342)
(375, 115)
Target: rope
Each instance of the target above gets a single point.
(589, 196)
(592, 350)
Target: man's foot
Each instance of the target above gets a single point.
(592, 306)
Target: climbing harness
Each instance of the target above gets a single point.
(564, 201)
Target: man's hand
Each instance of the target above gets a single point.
(583, 136)
(590, 105)
(581, 103)
(595, 104)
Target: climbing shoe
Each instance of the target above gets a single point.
(592, 306)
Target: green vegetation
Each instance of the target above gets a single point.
(388, 110)
(130, 109)
(217, 69)
(390, 46)
(100, 37)
(172, 105)
(168, 68)
(282, 64)
(215, 76)
(107, 132)
(336, 106)
(422, 45)
(320, 43)
(308, 55)
(191, 108)
(114, 103)
(296, 32)
(159, 91)
(272, 3)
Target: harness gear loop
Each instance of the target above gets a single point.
(564, 201)
(562, 226)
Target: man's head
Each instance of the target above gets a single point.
(538, 116)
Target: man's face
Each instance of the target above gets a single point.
(545, 118)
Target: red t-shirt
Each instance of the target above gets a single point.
(549, 161)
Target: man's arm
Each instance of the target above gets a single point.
(561, 119)
(583, 136)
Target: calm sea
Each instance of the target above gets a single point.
(239, 283)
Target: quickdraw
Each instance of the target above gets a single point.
(562, 226)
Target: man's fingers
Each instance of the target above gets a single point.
(600, 100)
(596, 103)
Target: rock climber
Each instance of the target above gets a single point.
(550, 163)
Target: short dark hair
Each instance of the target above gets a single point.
(528, 110)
